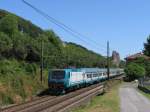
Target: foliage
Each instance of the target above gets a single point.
(8, 24)
(147, 68)
(19, 79)
(22, 40)
(145, 94)
(5, 45)
(109, 102)
(29, 28)
(144, 63)
(20, 56)
(147, 47)
(122, 64)
(134, 71)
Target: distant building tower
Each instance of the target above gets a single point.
(115, 58)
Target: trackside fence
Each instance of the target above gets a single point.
(144, 84)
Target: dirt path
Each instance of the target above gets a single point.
(132, 100)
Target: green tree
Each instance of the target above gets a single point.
(9, 24)
(144, 63)
(5, 44)
(19, 50)
(134, 71)
(147, 67)
(122, 64)
(147, 47)
(140, 61)
(21, 40)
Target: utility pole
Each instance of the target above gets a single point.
(41, 66)
(108, 60)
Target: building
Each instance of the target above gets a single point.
(135, 56)
(115, 58)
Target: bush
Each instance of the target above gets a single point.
(147, 68)
(31, 68)
(134, 71)
(5, 99)
(144, 63)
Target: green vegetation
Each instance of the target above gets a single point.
(141, 63)
(134, 71)
(122, 64)
(147, 52)
(21, 40)
(147, 47)
(145, 94)
(109, 102)
(20, 52)
(19, 81)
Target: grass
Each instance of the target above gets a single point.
(109, 102)
(19, 81)
(145, 94)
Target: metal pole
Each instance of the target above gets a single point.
(108, 60)
(41, 67)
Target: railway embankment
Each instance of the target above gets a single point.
(108, 102)
(20, 57)
(19, 82)
(72, 100)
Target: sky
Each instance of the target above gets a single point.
(124, 23)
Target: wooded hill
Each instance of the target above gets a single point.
(21, 40)
(20, 56)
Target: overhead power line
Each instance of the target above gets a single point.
(65, 27)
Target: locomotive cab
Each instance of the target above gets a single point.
(57, 80)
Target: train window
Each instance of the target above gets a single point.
(100, 74)
(58, 74)
(95, 75)
(105, 73)
(117, 72)
(89, 75)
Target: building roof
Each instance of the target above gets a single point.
(137, 55)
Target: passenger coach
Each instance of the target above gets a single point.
(60, 80)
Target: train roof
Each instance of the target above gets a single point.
(85, 69)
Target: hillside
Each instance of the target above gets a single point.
(20, 52)
(20, 39)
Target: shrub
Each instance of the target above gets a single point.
(134, 71)
(5, 99)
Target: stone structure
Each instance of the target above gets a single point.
(115, 58)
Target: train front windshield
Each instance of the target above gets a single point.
(58, 74)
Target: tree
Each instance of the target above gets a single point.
(9, 24)
(147, 47)
(19, 50)
(21, 40)
(140, 61)
(144, 63)
(134, 71)
(147, 67)
(122, 64)
(5, 44)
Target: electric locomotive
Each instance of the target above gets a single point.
(61, 80)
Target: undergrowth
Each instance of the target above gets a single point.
(19, 81)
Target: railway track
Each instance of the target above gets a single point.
(66, 105)
(54, 103)
(59, 103)
(22, 106)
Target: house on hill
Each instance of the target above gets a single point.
(135, 56)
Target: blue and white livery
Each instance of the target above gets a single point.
(65, 79)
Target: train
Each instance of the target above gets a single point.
(63, 80)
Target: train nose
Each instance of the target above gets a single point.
(56, 85)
